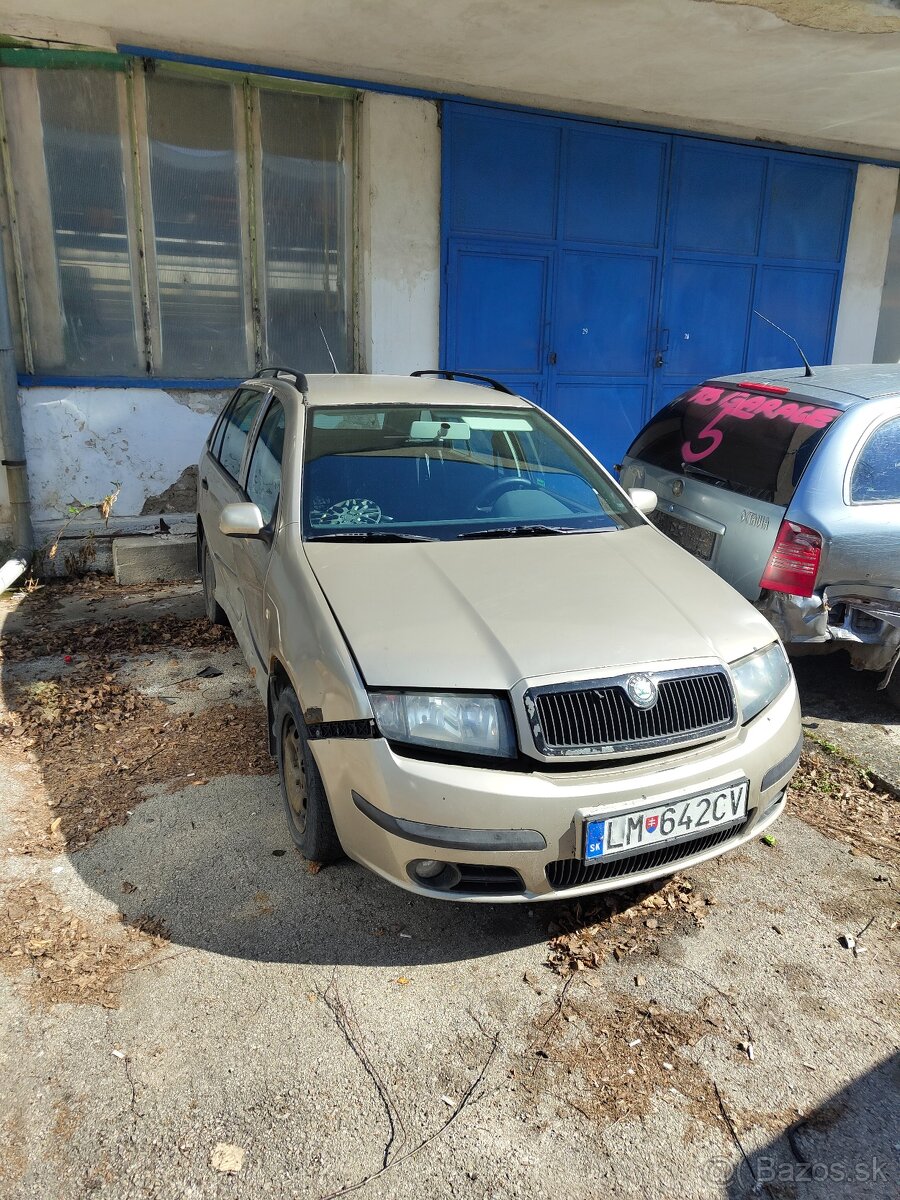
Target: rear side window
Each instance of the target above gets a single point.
(753, 443)
(238, 423)
(876, 475)
(264, 472)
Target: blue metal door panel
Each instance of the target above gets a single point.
(603, 313)
(496, 301)
(504, 171)
(717, 198)
(601, 271)
(710, 306)
(800, 301)
(613, 191)
(808, 207)
(749, 230)
(604, 418)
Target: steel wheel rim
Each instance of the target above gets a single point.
(294, 769)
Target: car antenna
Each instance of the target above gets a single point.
(334, 368)
(808, 372)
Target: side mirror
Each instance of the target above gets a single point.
(643, 499)
(241, 520)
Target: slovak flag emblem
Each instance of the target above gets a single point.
(651, 823)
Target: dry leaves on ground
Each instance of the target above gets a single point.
(96, 771)
(836, 796)
(90, 640)
(610, 1060)
(72, 959)
(624, 922)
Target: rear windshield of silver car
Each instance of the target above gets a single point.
(401, 472)
(757, 444)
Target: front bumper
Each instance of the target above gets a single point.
(401, 795)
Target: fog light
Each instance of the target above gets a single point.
(427, 868)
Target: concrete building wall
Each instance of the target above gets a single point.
(400, 234)
(867, 251)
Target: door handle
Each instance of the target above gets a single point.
(204, 484)
(551, 359)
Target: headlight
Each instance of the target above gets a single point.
(468, 724)
(759, 678)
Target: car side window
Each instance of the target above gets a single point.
(238, 423)
(264, 475)
(876, 476)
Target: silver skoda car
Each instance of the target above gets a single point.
(487, 675)
(788, 486)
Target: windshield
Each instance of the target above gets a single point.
(753, 443)
(403, 473)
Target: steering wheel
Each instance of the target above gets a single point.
(355, 511)
(492, 493)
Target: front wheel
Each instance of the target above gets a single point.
(302, 791)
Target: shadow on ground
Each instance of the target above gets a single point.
(845, 1148)
(830, 689)
(209, 861)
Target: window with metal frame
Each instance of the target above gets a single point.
(876, 474)
(236, 429)
(264, 471)
(173, 222)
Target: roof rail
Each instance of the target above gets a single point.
(495, 384)
(295, 377)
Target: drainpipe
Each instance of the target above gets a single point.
(12, 441)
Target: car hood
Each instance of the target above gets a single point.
(487, 614)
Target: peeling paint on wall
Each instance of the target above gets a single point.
(78, 441)
(837, 16)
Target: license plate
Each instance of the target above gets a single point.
(647, 828)
(700, 542)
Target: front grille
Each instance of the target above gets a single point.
(582, 718)
(572, 872)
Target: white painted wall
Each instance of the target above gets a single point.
(867, 251)
(399, 233)
(80, 442)
(804, 72)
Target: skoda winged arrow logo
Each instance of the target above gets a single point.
(642, 691)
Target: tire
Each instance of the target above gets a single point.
(302, 791)
(214, 611)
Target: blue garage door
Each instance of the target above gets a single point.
(602, 271)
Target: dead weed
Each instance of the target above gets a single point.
(90, 641)
(609, 1061)
(623, 923)
(72, 960)
(839, 798)
(98, 760)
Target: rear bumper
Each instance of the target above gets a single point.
(862, 619)
(384, 803)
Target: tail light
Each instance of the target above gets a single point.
(794, 561)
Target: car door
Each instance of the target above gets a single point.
(220, 484)
(252, 555)
(868, 551)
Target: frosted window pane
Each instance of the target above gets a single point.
(83, 157)
(306, 194)
(196, 214)
(887, 342)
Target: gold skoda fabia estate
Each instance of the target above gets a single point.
(488, 676)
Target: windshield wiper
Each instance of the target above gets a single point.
(690, 469)
(516, 531)
(368, 535)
